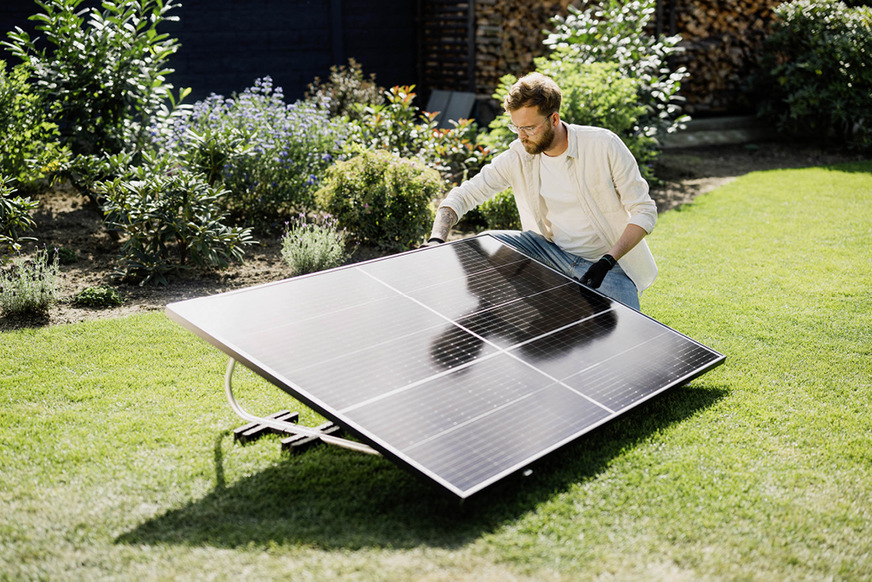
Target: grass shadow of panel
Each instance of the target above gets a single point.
(334, 498)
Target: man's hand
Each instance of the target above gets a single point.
(597, 272)
(445, 219)
(432, 242)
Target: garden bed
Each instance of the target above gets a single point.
(66, 220)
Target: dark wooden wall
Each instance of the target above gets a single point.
(227, 44)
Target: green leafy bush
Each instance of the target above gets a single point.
(172, 221)
(85, 171)
(815, 75)
(212, 150)
(270, 155)
(457, 153)
(618, 31)
(308, 247)
(501, 212)
(346, 91)
(67, 256)
(105, 69)
(29, 147)
(30, 285)
(98, 297)
(381, 199)
(15, 216)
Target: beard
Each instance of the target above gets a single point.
(544, 142)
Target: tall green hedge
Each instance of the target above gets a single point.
(815, 74)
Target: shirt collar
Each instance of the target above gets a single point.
(572, 147)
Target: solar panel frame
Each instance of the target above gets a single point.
(474, 313)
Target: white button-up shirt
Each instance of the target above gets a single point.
(610, 190)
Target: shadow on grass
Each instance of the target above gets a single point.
(334, 498)
(862, 167)
(24, 321)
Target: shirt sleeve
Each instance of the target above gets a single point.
(631, 187)
(490, 181)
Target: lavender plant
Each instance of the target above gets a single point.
(308, 247)
(30, 285)
(270, 155)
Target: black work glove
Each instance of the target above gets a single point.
(597, 272)
(432, 242)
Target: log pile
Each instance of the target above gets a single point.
(721, 42)
(508, 35)
(720, 38)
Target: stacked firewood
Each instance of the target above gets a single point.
(509, 34)
(721, 41)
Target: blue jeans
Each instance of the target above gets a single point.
(616, 284)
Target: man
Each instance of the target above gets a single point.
(584, 206)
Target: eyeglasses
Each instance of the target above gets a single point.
(528, 129)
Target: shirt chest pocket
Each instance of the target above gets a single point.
(603, 195)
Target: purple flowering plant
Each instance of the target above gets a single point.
(270, 155)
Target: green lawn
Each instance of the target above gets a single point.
(117, 458)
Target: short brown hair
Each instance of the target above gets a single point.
(534, 90)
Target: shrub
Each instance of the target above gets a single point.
(104, 68)
(308, 247)
(815, 73)
(346, 91)
(30, 285)
(617, 31)
(67, 256)
(456, 152)
(398, 126)
(501, 212)
(15, 218)
(381, 199)
(172, 221)
(29, 147)
(98, 297)
(212, 152)
(271, 156)
(84, 172)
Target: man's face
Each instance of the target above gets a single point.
(535, 131)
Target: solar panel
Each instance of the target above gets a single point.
(432, 356)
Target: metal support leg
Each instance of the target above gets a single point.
(288, 427)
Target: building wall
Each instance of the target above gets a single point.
(227, 44)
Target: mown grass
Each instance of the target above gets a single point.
(117, 460)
